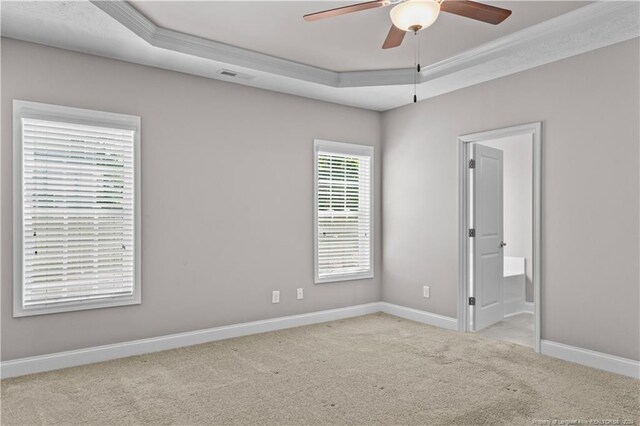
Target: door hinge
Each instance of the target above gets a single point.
(472, 301)
(472, 164)
(472, 232)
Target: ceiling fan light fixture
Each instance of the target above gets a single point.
(415, 15)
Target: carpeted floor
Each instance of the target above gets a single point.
(375, 369)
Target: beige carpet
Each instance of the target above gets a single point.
(376, 369)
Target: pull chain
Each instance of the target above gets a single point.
(416, 63)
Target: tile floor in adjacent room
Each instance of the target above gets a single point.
(515, 329)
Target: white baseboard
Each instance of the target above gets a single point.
(517, 307)
(42, 363)
(602, 361)
(38, 364)
(419, 316)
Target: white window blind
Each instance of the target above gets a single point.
(78, 215)
(343, 211)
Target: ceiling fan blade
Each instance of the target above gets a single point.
(478, 11)
(394, 38)
(345, 9)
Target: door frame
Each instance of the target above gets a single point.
(535, 130)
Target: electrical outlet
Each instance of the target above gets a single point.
(425, 291)
(275, 296)
(300, 294)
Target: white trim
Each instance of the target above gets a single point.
(602, 361)
(534, 129)
(345, 149)
(23, 109)
(557, 28)
(74, 358)
(520, 310)
(518, 307)
(157, 36)
(41, 363)
(140, 41)
(419, 316)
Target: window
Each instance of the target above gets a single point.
(343, 211)
(76, 209)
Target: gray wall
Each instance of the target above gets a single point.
(227, 186)
(211, 228)
(518, 200)
(590, 111)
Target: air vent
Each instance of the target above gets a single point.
(235, 74)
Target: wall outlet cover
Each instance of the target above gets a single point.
(275, 296)
(300, 294)
(425, 291)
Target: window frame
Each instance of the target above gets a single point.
(342, 148)
(26, 109)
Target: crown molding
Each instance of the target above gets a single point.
(156, 36)
(560, 33)
(115, 29)
(596, 25)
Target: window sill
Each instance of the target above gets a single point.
(348, 277)
(19, 312)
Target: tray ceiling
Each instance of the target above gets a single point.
(346, 43)
(463, 56)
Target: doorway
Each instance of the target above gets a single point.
(500, 217)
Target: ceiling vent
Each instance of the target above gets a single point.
(235, 74)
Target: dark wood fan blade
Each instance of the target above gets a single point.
(478, 11)
(345, 9)
(394, 38)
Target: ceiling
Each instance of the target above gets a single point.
(338, 60)
(345, 43)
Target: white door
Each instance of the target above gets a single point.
(487, 244)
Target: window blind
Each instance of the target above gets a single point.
(78, 213)
(343, 214)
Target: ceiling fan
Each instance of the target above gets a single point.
(416, 15)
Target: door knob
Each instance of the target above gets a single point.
(502, 244)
